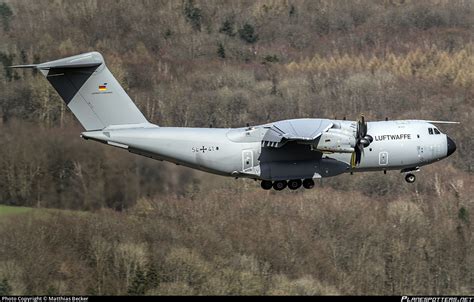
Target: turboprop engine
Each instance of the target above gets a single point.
(346, 138)
(337, 139)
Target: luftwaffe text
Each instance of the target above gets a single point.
(392, 137)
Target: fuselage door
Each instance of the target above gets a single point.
(383, 158)
(247, 161)
(420, 153)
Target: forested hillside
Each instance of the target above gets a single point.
(131, 225)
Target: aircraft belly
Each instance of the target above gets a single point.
(208, 150)
(302, 169)
(211, 161)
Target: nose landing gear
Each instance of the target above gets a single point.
(410, 178)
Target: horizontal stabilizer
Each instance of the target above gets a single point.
(443, 122)
(87, 60)
(24, 66)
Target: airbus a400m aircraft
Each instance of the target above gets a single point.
(290, 153)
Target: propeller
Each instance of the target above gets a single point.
(363, 140)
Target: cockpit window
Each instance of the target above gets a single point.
(430, 131)
(436, 131)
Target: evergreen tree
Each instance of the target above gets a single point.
(193, 15)
(227, 28)
(270, 59)
(151, 280)
(137, 287)
(247, 33)
(7, 60)
(5, 14)
(221, 51)
(463, 215)
(168, 33)
(51, 291)
(292, 11)
(5, 288)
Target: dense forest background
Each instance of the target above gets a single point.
(131, 225)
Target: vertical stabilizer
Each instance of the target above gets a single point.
(91, 92)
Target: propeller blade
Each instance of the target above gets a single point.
(361, 127)
(358, 156)
(364, 126)
(355, 158)
(362, 140)
(358, 131)
(362, 146)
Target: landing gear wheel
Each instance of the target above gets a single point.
(308, 183)
(410, 178)
(294, 184)
(279, 185)
(266, 184)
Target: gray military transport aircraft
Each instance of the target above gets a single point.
(281, 154)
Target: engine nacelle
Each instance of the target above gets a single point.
(336, 140)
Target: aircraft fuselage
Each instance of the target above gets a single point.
(239, 152)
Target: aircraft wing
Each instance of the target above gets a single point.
(303, 130)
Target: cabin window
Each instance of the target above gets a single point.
(436, 131)
(430, 131)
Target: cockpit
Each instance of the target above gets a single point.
(433, 131)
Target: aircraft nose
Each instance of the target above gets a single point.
(451, 146)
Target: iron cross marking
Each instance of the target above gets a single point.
(203, 149)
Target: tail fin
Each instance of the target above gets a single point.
(91, 92)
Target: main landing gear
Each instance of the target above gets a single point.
(292, 184)
(266, 184)
(308, 183)
(280, 185)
